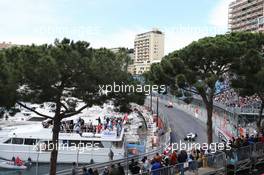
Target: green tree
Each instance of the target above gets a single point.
(8, 85)
(123, 55)
(197, 67)
(55, 73)
(204, 63)
(248, 69)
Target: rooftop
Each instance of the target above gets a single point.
(155, 31)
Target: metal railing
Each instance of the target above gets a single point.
(101, 166)
(209, 164)
(238, 110)
(245, 158)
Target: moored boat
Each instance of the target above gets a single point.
(11, 165)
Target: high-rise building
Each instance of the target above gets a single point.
(246, 15)
(148, 49)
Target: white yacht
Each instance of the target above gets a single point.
(34, 141)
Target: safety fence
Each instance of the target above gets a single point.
(209, 164)
(124, 162)
(247, 158)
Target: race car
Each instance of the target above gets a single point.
(169, 105)
(190, 137)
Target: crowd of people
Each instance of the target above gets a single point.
(230, 98)
(108, 123)
(112, 170)
(247, 140)
(156, 165)
(175, 160)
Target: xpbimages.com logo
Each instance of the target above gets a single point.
(212, 148)
(147, 89)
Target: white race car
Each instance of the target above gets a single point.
(190, 137)
(169, 105)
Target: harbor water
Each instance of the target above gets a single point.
(41, 170)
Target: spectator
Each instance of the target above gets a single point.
(95, 172)
(155, 167)
(74, 168)
(90, 171)
(113, 170)
(18, 161)
(84, 171)
(193, 161)
(13, 160)
(262, 138)
(200, 160)
(135, 169)
(121, 170)
(111, 155)
(182, 158)
(131, 165)
(158, 157)
(106, 171)
(145, 165)
(173, 158)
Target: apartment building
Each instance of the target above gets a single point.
(148, 49)
(246, 15)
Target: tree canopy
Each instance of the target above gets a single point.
(197, 67)
(248, 69)
(56, 73)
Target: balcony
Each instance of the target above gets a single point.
(242, 5)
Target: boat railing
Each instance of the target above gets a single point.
(85, 133)
(89, 130)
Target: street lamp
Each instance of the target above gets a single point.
(157, 111)
(151, 102)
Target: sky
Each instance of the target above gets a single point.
(111, 23)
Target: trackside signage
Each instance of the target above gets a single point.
(109, 134)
